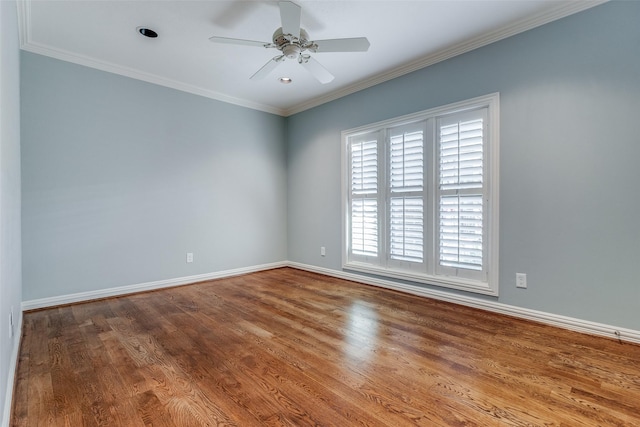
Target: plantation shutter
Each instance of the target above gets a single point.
(364, 197)
(406, 201)
(461, 193)
(420, 197)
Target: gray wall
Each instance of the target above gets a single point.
(10, 253)
(569, 201)
(121, 178)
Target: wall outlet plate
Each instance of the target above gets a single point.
(521, 280)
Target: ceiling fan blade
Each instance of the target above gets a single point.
(316, 69)
(356, 44)
(227, 40)
(290, 17)
(267, 68)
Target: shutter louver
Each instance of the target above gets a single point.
(406, 162)
(460, 206)
(407, 225)
(461, 231)
(364, 227)
(364, 167)
(406, 205)
(461, 155)
(364, 203)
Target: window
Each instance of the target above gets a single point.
(421, 197)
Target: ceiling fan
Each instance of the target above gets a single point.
(293, 43)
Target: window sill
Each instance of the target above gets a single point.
(475, 286)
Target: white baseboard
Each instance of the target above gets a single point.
(565, 322)
(142, 287)
(13, 367)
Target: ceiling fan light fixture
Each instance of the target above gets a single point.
(147, 32)
(291, 51)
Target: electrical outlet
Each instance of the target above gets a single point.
(323, 252)
(521, 280)
(189, 257)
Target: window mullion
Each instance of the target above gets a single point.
(430, 195)
(383, 197)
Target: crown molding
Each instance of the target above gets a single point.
(24, 21)
(146, 77)
(560, 11)
(26, 44)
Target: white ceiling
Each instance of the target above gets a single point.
(404, 36)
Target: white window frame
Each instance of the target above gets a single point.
(429, 271)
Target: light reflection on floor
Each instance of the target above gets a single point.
(361, 332)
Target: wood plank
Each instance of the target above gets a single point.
(292, 348)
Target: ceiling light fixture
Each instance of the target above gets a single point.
(285, 80)
(147, 32)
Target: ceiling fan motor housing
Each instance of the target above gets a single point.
(289, 45)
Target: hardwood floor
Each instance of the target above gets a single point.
(292, 348)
